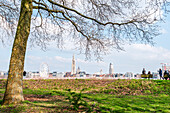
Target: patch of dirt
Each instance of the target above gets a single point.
(32, 97)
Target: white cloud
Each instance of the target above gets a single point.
(141, 51)
(138, 56)
(34, 58)
(62, 59)
(163, 31)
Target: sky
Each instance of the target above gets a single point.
(133, 59)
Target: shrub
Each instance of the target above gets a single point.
(76, 100)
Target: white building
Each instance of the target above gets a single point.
(81, 74)
(2, 73)
(129, 75)
(35, 75)
(60, 75)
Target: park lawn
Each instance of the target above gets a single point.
(102, 95)
(129, 103)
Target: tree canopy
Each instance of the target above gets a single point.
(93, 25)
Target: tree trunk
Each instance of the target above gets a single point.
(14, 87)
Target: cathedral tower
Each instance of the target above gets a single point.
(111, 69)
(73, 66)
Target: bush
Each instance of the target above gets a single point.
(76, 100)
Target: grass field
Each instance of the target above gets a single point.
(105, 96)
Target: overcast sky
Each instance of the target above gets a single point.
(133, 59)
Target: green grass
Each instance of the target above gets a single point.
(130, 103)
(106, 96)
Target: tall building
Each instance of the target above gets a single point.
(101, 71)
(111, 69)
(78, 70)
(73, 66)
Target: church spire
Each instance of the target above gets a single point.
(78, 70)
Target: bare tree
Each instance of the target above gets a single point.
(95, 26)
(9, 13)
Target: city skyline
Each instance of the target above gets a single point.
(79, 61)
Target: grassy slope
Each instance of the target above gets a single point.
(104, 95)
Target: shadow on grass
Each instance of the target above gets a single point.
(143, 103)
(12, 108)
(1, 102)
(52, 106)
(37, 106)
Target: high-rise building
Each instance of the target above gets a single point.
(111, 69)
(101, 71)
(73, 66)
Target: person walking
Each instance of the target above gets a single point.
(143, 71)
(169, 74)
(24, 73)
(160, 73)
